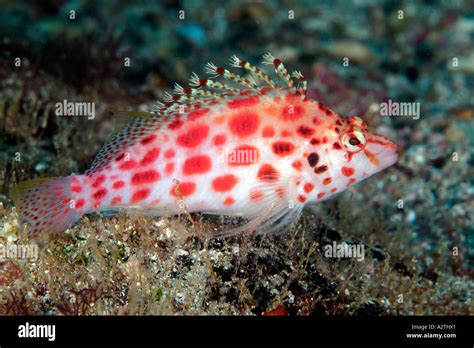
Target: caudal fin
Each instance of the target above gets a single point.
(46, 204)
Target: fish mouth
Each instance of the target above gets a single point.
(386, 151)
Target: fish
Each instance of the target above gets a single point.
(247, 145)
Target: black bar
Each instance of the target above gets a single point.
(242, 330)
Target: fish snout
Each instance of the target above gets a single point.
(385, 150)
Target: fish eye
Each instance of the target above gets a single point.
(353, 141)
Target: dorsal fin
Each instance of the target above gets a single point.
(140, 126)
(200, 92)
(124, 118)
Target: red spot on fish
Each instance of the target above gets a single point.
(175, 124)
(292, 112)
(80, 203)
(292, 98)
(224, 183)
(185, 189)
(76, 189)
(193, 137)
(140, 195)
(348, 171)
(169, 153)
(169, 168)
(229, 201)
(336, 146)
(325, 140)
(321, 195)
(324, 109)
(256, 195)
(194, 115)
(98, 181)
(327, 181)
(301, 198)
(268, 132)
(320, 169)
(267, 173)
(308, 187)
(150, 157)
(243, 156)
(100, 194)
(118, 184)
(317, 121)
(219, 139)
(286, 133)
(145, 177)
(280, 191)
(240, 103)
(297, 165)
(197, 165)
(350, 182)
(305, 132)
(315, 141)
(116, 200)
(128, 165)
(350, 154)
(283, 148)
(372, 157)
(334, 189)
(148, 139)
(244, 124)
(313, 159)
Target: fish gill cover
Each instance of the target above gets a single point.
(165, 217)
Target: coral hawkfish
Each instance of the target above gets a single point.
(251, 146)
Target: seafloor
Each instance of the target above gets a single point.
(420, 256)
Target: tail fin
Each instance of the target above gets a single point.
(46, 204)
